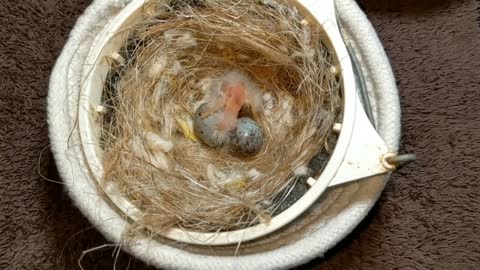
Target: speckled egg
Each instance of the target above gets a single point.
(205, 128)
(247, 138)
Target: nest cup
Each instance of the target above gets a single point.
(97, 134)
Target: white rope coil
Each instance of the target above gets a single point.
(331, 219)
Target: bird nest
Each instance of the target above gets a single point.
(175, 60)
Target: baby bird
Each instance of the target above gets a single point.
(217, 118)
(230, 93)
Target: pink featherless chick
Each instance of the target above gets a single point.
(232, 92)
(219, 114)
(234, 100)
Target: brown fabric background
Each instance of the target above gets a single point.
(427, 218)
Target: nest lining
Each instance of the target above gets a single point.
(173, 57)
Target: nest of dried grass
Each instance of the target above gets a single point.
(172, 56)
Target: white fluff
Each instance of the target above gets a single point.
(221, 178)
(160, 161)
(157, 143)
(158, 67)
(152, 148)
(205, 84)
(180, 38)
(253, 174)
(302, 170)
(214, 175)
(268, 102)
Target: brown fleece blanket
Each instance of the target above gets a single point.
(427, 218)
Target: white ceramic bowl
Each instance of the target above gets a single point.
(352, 159)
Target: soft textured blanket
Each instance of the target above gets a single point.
(427, 218)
